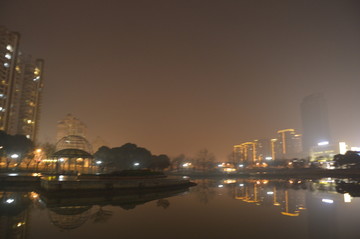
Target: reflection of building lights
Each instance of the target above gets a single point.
(268, 158)
(98, 162)
(347, 197)
(136, 164)
(241, 165)
(61, 159)
(61, 178)
(241, 185)
(13, 174)
(269, 193)
(221, 186)
(327, 201)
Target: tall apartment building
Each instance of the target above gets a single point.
(21, 84)
(288, 145)
(245, 153)
(263, 150)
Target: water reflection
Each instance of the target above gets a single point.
(69, 211)
(13, 214)
(287, 195)
(323, 208)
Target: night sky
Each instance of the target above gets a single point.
(179, 76)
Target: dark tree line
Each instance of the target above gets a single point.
(130, 156)
(350, 159)
(11, 145)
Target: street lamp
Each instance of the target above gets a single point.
(14, 156)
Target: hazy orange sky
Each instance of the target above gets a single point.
(179, 76)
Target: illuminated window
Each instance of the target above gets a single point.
(9, 48)
(37, 71)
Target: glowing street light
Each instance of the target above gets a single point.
(136, 164)
(14, 156)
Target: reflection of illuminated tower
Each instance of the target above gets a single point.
(314, 121)
(14, 214)
(70, 125)
(245, 152)
(288, 144)
(289, 207)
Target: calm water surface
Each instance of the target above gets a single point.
(232, 208)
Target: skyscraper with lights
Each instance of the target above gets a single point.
(21, 84)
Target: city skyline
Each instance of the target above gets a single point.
(178, 77)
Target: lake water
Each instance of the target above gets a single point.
(228, 208)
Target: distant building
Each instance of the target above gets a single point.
(315, 121)
(288, 144)
(70, 125)
(245, 153)
(263, 150)
(21, 84)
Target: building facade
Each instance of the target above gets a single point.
(21, 85)
(288, 144)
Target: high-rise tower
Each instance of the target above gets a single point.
(21, 83)
(9, 51)
(315, 121)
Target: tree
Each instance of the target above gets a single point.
(130, 156)
(178, 161)
(349, 159)
(204, 160)
(159, 162)
(15, 147)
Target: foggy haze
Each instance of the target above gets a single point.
(179, 76)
